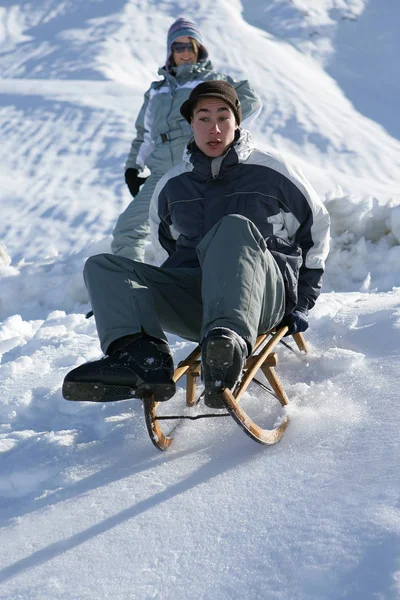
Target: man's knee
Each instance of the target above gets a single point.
(235, 221)
(238, 225)
(93, 263)
(105, 262)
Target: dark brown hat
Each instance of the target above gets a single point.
(213, 89)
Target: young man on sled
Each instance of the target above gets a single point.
(242, 238)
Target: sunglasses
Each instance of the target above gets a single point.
(180, 47)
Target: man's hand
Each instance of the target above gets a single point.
(133, 181)
(297, 321)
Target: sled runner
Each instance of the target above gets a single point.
(264, 358)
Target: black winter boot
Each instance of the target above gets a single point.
(224, 354)
(137, 370)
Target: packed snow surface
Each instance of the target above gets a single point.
(89, 508)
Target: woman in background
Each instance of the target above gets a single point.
(161, 131)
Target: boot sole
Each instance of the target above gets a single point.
(100, 392)
(219, 357)
(214, 399)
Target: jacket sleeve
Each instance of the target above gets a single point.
(142, 145)
(308, 224)
(162, 241)
(312, 236)
(249, 100)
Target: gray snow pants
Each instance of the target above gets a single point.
(238, 286)
(133, 226)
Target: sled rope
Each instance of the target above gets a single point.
(202, 416)
(298, 354)
(264, 387)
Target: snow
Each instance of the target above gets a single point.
(89, 508)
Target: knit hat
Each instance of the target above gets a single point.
(212, 89)
(184, 27)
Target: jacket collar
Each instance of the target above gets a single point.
(239, 151)
(185, 72)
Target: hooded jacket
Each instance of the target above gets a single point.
(162, 132)
(261, 186)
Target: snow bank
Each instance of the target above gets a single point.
(365, 244)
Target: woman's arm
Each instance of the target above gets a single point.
(249, 100)
(142, 144)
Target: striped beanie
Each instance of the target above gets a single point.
(184, 27)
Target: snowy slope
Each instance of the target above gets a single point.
(86, 127)
(88, 507)
(355, 41)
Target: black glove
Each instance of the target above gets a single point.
(133, 181)
(297, 321)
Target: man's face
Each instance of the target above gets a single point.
(213, 125)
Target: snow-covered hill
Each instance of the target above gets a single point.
(88, 508)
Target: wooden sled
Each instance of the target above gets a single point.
(262, 358)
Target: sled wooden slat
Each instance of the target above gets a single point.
(191, 377)
(161, 441)
(301, 342)
(276, 385)
(271, 360)
(185, 365)
(264, 358)
(261, 357)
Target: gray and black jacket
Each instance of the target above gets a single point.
(193, 196)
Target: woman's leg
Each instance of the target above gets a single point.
(132, 226)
